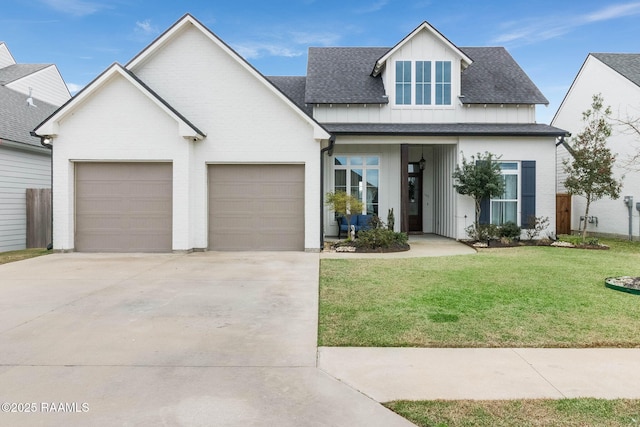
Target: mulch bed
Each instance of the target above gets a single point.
(519, 243)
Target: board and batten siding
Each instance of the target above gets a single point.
(19, 170)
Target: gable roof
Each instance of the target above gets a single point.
(19, 118)
(425, 26)
(626, 64)
(187, 19)
(342, 76)
(49, 126)
(15, 72)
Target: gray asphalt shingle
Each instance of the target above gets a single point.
(18, 118)
(294, 87)
(343, 76)
(18, 71)
(627, 64)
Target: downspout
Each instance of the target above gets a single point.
(46, 142)
(329, 150)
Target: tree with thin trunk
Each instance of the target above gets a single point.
(590, 170)
(346, 205)
(480, 178)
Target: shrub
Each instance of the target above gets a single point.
(510, 230)
(536, 225)
(483, 233)
(578, 240)
(380, 238)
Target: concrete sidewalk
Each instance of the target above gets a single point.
(387, 374)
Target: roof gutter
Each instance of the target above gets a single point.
(329, 150)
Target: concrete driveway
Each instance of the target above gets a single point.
(210, 339)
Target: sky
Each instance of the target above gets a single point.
(549, 39)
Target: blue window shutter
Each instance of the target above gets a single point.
(485, 206)
(528, 192)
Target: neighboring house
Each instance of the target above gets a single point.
(617, 77)
(188, 147)
(28, 94)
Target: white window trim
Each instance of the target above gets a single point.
(433, 105)
(364, 167)
(518, 200)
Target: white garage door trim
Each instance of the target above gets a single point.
(123, 207)
(256, 207)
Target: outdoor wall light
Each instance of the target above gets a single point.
(422, 163)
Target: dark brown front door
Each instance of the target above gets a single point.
(415, 197)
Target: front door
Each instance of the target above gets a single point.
(415, 197)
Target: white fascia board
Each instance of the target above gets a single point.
(319, 132)
(50, 126)
(424, 26)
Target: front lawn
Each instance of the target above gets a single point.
(521, 413)
(11, 256)
(515, 297)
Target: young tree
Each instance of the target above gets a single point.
(344, 204)
(590, 171)
(479, 178)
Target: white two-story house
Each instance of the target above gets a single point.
(189, 147)
(404, 116)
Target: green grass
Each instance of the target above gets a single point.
(513, 297)
(11, 256)
(521, 413)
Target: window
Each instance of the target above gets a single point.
(428, 91)
(423, 82)
(360, 177)
(505, 207)
(443, 82)
(403, 82)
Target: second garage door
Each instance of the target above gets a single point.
(123, 207)
(256, 207)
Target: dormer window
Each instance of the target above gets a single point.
(424, 83)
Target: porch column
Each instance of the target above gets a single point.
(404, 188)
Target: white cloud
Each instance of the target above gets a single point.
(259, 50)
(532, 30)
(75, 7)
(145, 27)
(373, 7)
(74, 88)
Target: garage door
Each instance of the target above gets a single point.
(256, 207)
(123, 207)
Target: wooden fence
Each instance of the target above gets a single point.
(38, 217)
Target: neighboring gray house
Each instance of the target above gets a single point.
(28, 94)
(617, 77)
(191, 148)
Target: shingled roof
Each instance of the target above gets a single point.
(294, 87)
(343, 76)
(18, 71)
(627, 64)
(19, 118)
(494, 77)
